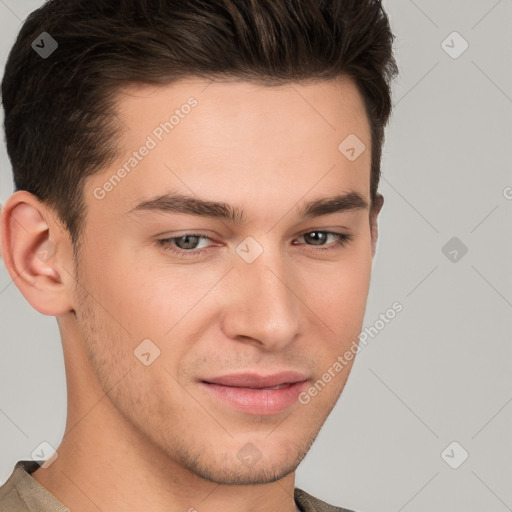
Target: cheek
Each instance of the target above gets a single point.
(124, 309)
(338, 291)
(143, 297)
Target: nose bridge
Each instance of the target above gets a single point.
(263, 306)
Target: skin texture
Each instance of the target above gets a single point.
(151, 437)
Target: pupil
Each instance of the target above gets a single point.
(188, 244)
(316, 241)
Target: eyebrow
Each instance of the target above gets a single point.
(179, 203)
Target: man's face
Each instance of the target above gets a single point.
(267, 302)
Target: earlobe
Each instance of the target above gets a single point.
(32, 250)
(376, 207)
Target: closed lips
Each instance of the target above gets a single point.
(257, 394)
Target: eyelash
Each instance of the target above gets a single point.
(342, 240)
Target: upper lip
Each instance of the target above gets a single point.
(257, 381)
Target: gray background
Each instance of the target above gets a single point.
(441, 370)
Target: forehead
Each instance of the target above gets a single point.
(235, 139)
(327, 104)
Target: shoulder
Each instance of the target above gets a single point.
(308, 503)
(22, 493)
(10, 497)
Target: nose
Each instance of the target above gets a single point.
(263, 307)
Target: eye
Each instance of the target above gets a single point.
(184, 245)
(189, 244)
(319, 237)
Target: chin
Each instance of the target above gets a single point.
(246, 464)
(234, 473)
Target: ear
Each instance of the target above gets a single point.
(37, 253)
(374, 213)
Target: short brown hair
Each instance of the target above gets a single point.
(60, 121)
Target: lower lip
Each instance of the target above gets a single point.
(258, 401)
